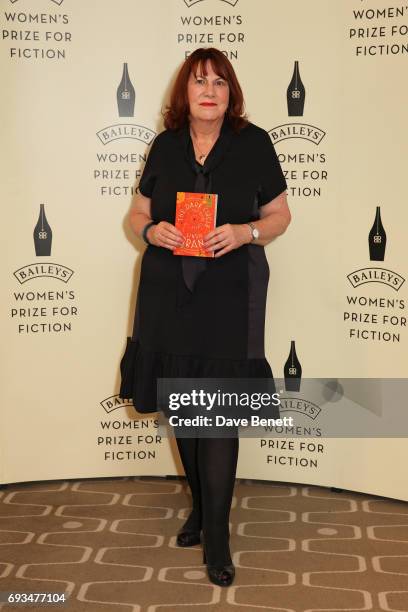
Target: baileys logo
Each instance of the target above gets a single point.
(52, 270)
(114, 402)
(44, 309)
(42, 236)
(125, 99)
(295, 99)
(377, 240)
(292, 372)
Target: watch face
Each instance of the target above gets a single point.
(255, 233)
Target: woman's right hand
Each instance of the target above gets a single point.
(165, 235)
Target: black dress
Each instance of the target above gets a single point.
(216, 330)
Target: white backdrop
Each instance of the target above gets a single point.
(67, 313)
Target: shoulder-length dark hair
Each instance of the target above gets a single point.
(177, 112)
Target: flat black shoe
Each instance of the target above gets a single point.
(222, 576)
(188, 538)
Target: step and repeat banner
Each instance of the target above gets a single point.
(83, 88)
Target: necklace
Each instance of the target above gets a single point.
(201, 155)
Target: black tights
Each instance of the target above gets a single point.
(210, 467)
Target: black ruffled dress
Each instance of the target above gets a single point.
(215, 330)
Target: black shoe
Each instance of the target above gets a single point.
(189, 534)
(188, 538)
(222, 576)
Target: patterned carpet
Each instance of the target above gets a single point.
(110, 544)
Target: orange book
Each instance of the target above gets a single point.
(196, 214)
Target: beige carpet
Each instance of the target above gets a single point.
(110, 544)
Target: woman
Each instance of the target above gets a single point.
(199, 317)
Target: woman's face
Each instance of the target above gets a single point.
(208, 95)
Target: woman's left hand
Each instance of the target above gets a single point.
(227, 238)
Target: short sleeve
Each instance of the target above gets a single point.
(150, 171)
(272, 181)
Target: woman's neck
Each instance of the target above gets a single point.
(205, 130)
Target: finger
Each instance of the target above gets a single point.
(170, 239)
(215, 232)
(166, 245)
(166, 234)
(223, 252)
(169, 227)
(220, 244)
(167, 241)
(215, 239)
(210, 235)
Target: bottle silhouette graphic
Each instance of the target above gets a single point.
(126, 95)
(293, 370)
(377, 238)
(42, 234)
(296, 94)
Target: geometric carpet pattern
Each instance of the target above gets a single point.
(109, 544)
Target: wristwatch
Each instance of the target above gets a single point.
(254, 231)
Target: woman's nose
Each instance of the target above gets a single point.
(209, 89)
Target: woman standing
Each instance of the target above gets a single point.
(204, 317)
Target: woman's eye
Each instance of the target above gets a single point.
(221, 83)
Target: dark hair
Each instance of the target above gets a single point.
(177, 112)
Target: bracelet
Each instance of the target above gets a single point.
(144, 232)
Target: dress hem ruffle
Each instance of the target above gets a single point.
(141, 368)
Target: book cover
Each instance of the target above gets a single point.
(196, 215)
